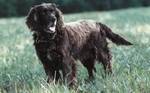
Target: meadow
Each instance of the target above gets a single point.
(22, 72)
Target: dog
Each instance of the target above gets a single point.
(58, 45)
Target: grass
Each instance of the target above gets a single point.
(21, 71)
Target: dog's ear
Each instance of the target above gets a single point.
(59, 17)
(31, 19)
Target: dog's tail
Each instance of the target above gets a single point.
(115, 38)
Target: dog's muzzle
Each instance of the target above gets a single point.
(51, 28)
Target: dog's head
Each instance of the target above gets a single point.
(43, 17)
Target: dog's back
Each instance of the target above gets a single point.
(81, 36)
(79, 31)
(90, 34)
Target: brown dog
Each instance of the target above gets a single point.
(58, 45)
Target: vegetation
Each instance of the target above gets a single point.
(21, 7)
(21, 71)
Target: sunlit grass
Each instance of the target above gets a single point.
(21, 71)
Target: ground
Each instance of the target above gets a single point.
(21, 71)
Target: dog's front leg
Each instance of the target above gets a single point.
(47, 64)
(69, 70)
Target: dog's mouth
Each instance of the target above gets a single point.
(51, 28)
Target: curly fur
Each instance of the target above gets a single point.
(82, 40)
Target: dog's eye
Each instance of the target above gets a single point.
(44, 12)
(51, 10)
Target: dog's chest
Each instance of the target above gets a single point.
(45, 49)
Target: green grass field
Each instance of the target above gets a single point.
(21, 71)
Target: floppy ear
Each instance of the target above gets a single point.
(59, 17)
(31, 19)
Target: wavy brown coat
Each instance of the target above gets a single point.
(82, 40)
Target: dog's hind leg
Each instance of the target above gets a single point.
(105, 58)
(89, 64)
(69, 70)
(88, 60)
